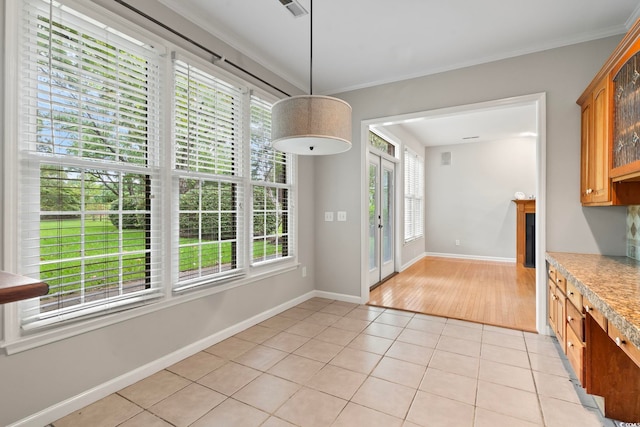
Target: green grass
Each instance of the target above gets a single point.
(61, 248)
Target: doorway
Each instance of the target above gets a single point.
(382, 184)
(538, 101)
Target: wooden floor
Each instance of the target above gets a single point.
(493, 293)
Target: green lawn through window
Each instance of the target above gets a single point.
(61, 251)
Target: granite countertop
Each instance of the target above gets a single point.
(610, 283)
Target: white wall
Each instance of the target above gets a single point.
(562, 73)
(471, 199)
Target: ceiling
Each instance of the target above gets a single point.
(506, 122)
(362, 43)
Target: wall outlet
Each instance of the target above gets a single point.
(304, 271)
(457, 242)
(342, 216)
(328, 216)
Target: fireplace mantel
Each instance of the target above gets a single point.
(524, 207)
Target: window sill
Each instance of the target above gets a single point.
(63, 331)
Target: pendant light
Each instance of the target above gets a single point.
(311, 124)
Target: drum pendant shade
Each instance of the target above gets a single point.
(311, 125)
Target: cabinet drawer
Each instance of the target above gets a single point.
(575, 354)
(574, 296)
(561, 282)
(552, 272)
(575, 321)
(621, 341)
(595, 313)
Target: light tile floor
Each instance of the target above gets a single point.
(329, 363)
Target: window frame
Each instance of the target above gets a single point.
(238, 178)
(288, 186)
(413, 195)
(15, 337)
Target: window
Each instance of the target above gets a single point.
(118, 208)
(207, 174)
(378, 142)
(88, 164)
(270, 189)
(413, 195)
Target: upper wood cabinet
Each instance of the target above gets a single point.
(595, 186)
(610, 170)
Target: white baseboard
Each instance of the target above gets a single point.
(471, 257)
(337, 297)
(59, 410)
(413, 261)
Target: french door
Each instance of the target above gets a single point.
(381, 219)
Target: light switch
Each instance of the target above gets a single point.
(328, 216)
(342, 216)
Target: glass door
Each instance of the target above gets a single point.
(381, 219)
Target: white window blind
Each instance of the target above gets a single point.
(413, 195)
(271, 189)
(88, 165)
(208, 179)
(132, 183)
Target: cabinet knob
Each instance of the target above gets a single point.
(587, 308)
(569, 318)
(571, 293)
(559, 280)
(550, 272)
(569, 344)
(619, 341)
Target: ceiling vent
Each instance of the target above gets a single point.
(294, 7)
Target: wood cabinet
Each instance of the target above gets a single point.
(595, 187)
(600, 183)
(626, 114)
(611, 373)
(602, 358)
(575, 354)
(557, 306)
(566, 318)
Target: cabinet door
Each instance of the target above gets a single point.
(553, 307)
(575, 354)
(561, 315)
(599, 149)
(585, 145)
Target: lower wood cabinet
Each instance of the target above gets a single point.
(557, 306)
(623, 343)
(575, 321)
(602, 358)
(575, 353)
(611, 373)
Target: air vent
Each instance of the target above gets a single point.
(445, 158)
(294, 7)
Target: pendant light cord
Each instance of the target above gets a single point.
(310, 47)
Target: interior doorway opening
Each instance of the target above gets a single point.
(538, 102)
